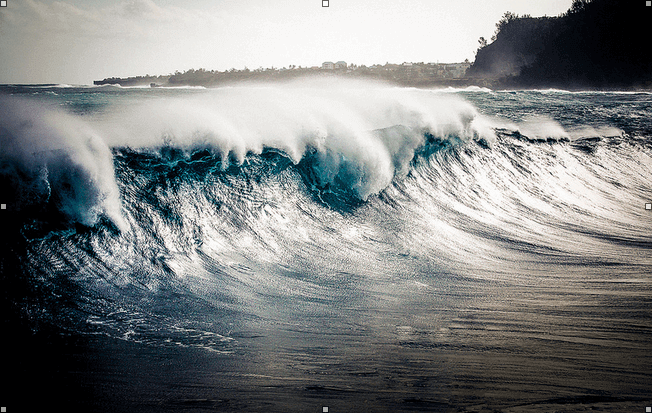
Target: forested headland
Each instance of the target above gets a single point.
(596, 44)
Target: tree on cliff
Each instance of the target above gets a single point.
(507, 18)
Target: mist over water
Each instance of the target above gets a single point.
(350, 244)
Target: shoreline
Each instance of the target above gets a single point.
(463, 83)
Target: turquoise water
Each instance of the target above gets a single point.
(351, 245)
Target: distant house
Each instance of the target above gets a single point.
(455, 70)
(330, 65)
(460, 69)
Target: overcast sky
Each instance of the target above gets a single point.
(78, 41)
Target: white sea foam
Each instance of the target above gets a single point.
(363, 132)
(593, 132)
(585, 92)
(56, 86)
(541, 127)
(181, 87)
(339, 119)
(70, 153)
(451, 89)
(552, 90)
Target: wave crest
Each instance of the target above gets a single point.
(355, 134)
(349, 140)
(55, 163)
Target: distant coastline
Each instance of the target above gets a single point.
(596, 44)
(405, 74)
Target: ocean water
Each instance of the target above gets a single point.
(350, 245)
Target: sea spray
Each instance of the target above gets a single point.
(350, 124)
(253, 276)
(59, 158)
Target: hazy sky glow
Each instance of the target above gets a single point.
(75, 41)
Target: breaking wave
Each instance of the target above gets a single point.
(220, 198)
(351, 140)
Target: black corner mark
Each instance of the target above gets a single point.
(324, 3)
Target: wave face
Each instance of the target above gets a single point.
(252, 220)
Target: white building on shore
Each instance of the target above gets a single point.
(456, 70)
(330, 65)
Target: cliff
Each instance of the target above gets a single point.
(596, 44)
(517, 44)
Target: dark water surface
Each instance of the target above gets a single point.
(356, 246)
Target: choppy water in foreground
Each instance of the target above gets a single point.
(350, 245)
